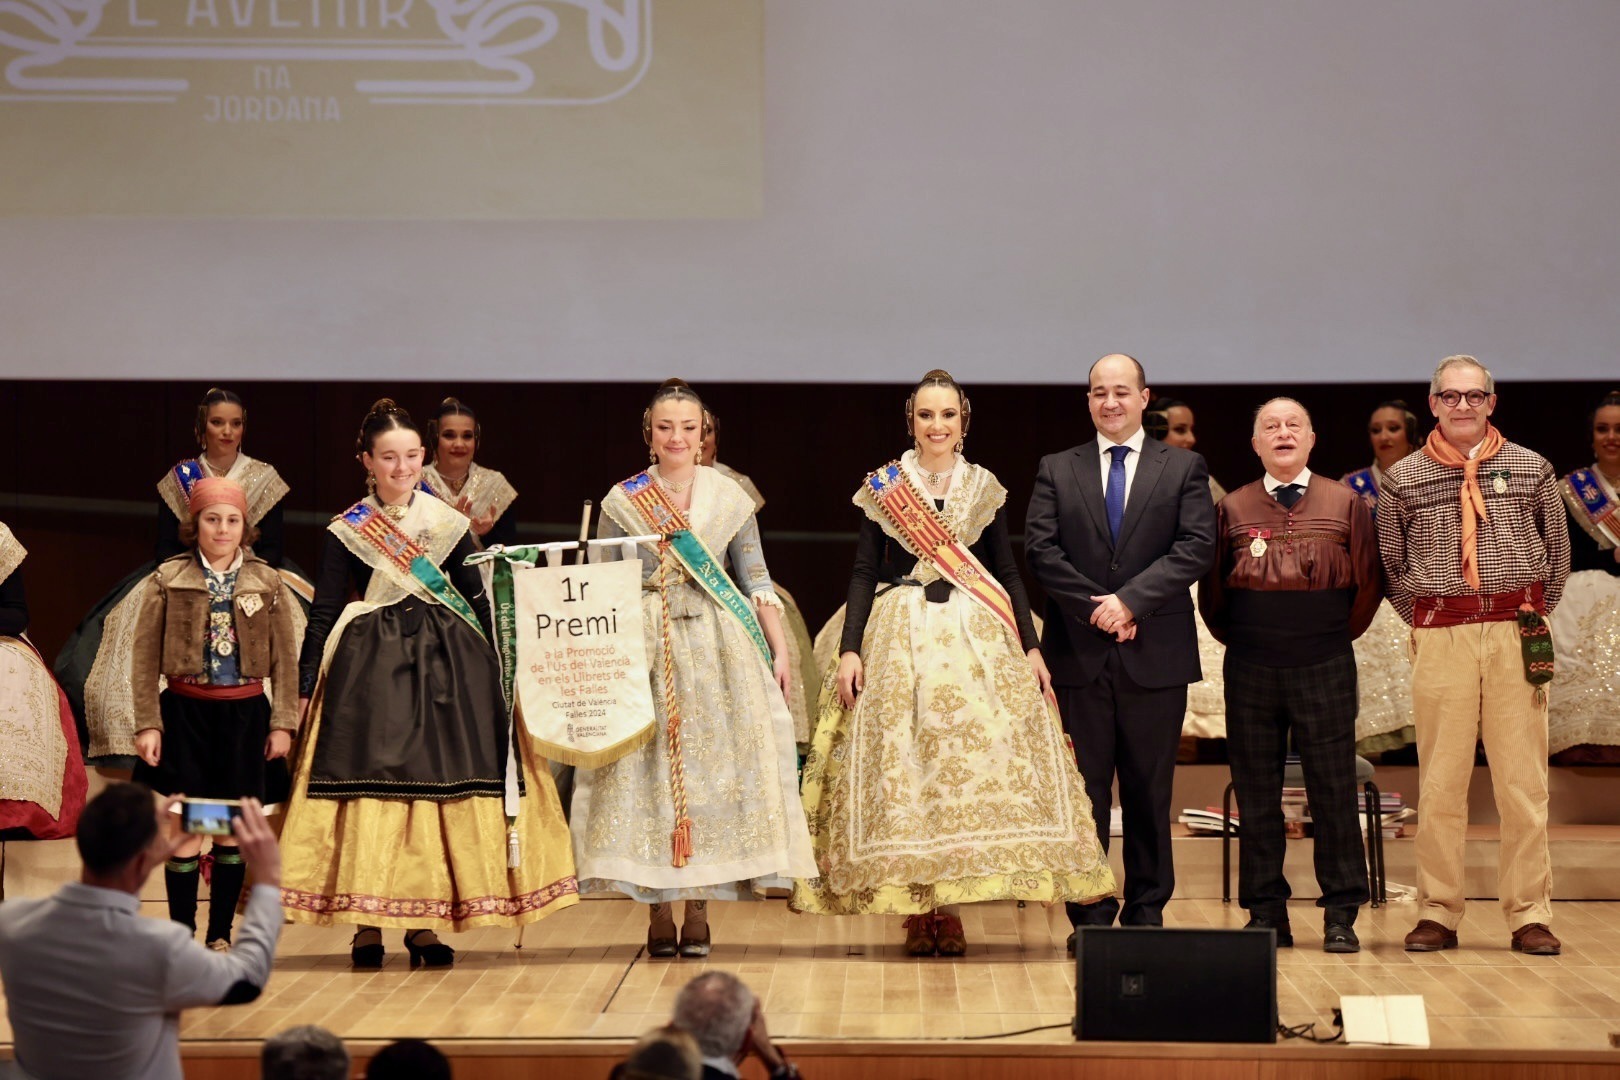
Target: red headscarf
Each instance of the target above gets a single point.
(215, 490)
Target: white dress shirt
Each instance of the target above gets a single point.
(95, 989)
(1104, 445)
(1303, 480)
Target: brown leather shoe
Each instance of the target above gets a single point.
(921, 937)
(1535, 939)
(1430, 936)
(952, 938)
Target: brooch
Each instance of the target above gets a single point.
(250, 603)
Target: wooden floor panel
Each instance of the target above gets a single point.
(582, 974)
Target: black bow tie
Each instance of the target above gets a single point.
(1288, 494)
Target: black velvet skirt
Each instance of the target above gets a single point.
(215, 750)
(411, 708)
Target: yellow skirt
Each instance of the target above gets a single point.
(421, 863)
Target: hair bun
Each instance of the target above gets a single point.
(382, 405)
(674, 384)
(940, 374)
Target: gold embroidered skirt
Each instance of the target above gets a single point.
(1206, 698)
(805, 687)
(1384, 684)
(1584, 697)
(421, 863)
(950, 781)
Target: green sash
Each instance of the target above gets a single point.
(504, 606)
(661, 516)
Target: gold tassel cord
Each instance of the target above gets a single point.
(681, 837)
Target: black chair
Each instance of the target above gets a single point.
(1294, 776)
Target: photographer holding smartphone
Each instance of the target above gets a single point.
(94, 989)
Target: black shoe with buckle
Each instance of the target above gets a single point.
(1338, 937)
(366, 948)
(1285, 935)
(432, 953)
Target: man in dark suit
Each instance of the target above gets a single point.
(1119, 529)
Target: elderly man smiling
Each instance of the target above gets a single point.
(1295, 581)
(1475, 546)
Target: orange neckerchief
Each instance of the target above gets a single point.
(1473, 499)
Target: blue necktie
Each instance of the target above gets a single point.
(1115, 497)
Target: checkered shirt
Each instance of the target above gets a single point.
(1524, 539)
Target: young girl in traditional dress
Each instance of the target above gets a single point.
(939, 774)
(709, 809)
(216, 621)
(1383, 653)
(404, 812)
(483, 495)
(42, 777)
(804, 686)
(1583, 725)
(94, 665)
(1203, 731)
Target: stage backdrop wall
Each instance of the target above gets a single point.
(1236, 191)
(87, 457)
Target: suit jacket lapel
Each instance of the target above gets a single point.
(1148, 471)
(1088, 476)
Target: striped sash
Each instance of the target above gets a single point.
(928, 538)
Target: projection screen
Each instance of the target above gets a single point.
(812, 190)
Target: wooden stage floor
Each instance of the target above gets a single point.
(582, 975)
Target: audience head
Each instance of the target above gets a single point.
(938, 413)
(390, 448)
(1171, 422)
(306, 1052)
(1283, 437)
(1118, 396)
(120, 836)
(665, 1053)
(221, 419)
(408, 1059)
(1393, 432)
(454, 435)
(716, 1008)
(1462, 396)
(674, 425)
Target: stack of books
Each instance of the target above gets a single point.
(1396, 817)
(1206, 822)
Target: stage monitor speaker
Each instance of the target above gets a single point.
(1150, 984)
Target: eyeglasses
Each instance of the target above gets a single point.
(1452, 398)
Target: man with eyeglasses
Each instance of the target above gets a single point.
(1475, 547)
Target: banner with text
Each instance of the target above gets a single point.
(453, 109)
(582, 677)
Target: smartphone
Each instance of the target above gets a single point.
(208, 817)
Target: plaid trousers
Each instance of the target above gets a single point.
(1317, 703)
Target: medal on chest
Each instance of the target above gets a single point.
(1257, 541)
(1499, 481)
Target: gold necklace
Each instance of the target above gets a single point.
(456, 485)
(675, 487)
(395, 513)
(935, 478)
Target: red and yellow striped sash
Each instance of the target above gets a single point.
(923, 531)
